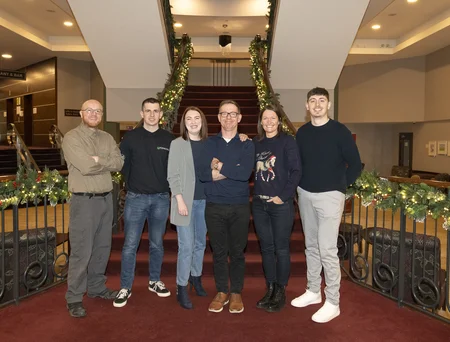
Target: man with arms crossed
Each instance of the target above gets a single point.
(330, 163)
(91, 155)
(227, 166)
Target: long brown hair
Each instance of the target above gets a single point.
(261, 132)
(183, 129)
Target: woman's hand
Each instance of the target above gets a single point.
(182, 208)
(243, 137)
(276, 200)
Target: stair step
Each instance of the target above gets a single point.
(219, 95)
(216, 102)
(212, 118)
(214, 110)
(247, 128)
(253, 264)
(223, 89)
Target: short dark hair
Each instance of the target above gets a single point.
(261, 131)
(150, 100)
(183, 129)
(225, 102)
(318, 91)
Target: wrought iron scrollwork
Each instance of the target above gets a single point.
(36, 270)
(342, 246)
(384, 277)
(359, 267)
(61, 268)
(426, 293)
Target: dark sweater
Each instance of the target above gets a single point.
(197, 153)
(146, 156)
(277, 170)
(329, 157)
(238, 160)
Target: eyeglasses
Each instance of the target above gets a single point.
(93, 111)
(231, 114)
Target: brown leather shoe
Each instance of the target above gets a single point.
(220, 300)
(236, 304)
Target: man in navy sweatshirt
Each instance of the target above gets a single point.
(330, 163)
(227, 166)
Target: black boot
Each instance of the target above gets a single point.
(183, 297)
(196, 282)
(263, 303)
(278, 299)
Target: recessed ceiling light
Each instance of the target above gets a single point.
(51, 11)
(392, 14)
(178, 24)
(68, 23)
(7, 55)
(376, 27)
(411, 1)
(267, 26)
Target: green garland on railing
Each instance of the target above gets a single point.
(174, 89)
(265, 97)
(418, 200)
(31, 186)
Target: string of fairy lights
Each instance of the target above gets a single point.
(417, 200)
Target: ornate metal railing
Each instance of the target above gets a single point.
(397, 254)
(24, 156)
(260, 74)
(56, 137)
(33, 249)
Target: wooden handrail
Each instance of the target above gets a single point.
(433, 183)
(265, 69)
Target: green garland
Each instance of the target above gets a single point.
(418, 200)
(265, 97)
(31, 187)
(174, 88)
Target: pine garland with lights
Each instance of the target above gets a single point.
(418, 200)
(258, 48)
(174, 88)
(31, 186)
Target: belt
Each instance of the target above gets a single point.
(91, 194)
(264, 197)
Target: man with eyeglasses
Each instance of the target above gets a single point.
(227, 166)
(146, 152)
(91, 155)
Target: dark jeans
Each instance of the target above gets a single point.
(227, 226)
(273, 224)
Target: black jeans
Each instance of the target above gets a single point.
(227, 226)
(273, 224)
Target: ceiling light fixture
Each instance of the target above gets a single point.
(412, 1)
(225, 42)
(267, 26)
(68, 23)
(178, 24)
(6, 55)
(376, 27)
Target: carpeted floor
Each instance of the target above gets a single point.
(365, 316)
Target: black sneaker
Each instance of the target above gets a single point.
(122, 298)
(159, 288)
(76, 310)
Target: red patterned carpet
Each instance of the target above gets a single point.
(365, 316)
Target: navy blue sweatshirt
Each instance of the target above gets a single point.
(146, 157)
(238, 160)
(277, 166)
(329, 157)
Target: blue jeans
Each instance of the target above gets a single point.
(140, 207)
(192, 244)
(273, 225)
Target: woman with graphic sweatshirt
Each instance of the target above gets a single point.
(277, 174)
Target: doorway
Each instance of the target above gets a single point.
(405, 150)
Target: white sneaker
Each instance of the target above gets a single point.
(326, 313)
(306, 299)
